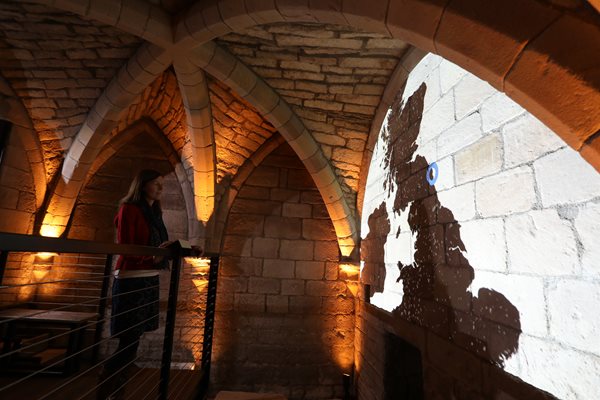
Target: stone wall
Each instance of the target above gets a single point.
(285, 312)
(17, 189)
(491, 272)
(58, 64)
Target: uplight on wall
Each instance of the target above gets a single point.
(42, 264)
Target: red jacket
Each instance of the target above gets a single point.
(132, 228)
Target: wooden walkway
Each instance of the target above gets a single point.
(143, 384)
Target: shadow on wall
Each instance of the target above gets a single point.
(436, 284)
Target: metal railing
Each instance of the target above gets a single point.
(43, 320)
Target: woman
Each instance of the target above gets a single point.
(136, 285)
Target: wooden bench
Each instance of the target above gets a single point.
(40, 356)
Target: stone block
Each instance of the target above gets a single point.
(485, 244)
(304, 304)
(317, 229)
(276, 268)
(437, 119)
(575, 322)
(506, 193)
(310, 270)
(542, 364)
(237, 245)
(254, 192)
(263, 285)
(9, 198)
(297, 249)
(285, 195)
(327, 251)
(415, 21)
(331, 271)
(481, 159)
(246, 302)
(497, 110)
(460, 135)
(587, 224)
(15, 221)
(263, 176)
(460, 201)
(524, 293)
(325, 288)
(292, 287)
(532, 240)
(296, 210)
(527, 139)
(262, 207)
(265, 247)
(470, 93)
(233, 285)
(565, 177)
(565, 109)
(277, 304)
(282, 227)
(450, 75)
(492, 33)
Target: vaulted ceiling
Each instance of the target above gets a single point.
(221, 79)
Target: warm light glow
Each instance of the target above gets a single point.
(51, 231)
(200, 284)
(44, 256)
(198, 263)
(344, 358)
(346, 250)
(40, 272)
(349, 271)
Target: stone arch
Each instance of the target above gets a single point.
(141, 145)
(131, 80)
(275, 109)
(146, 125)
(13, 110)
(522, 48)
(196, 100)
(236, 184)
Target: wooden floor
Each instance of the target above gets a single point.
(143, 384)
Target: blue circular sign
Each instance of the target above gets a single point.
(432, 173)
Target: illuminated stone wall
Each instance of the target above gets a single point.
(493, 267)
(285, 311)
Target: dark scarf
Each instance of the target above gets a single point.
(158, 231)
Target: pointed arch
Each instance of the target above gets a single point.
(143, 68)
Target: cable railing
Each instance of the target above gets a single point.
(55, 312)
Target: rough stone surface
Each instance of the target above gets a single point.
(58, 64)
(506, 193)
(277, 321)
(565, 177)
(533, 240)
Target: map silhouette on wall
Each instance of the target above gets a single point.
(480, 224)
(435, 285)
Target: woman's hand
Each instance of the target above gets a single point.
(159, 259)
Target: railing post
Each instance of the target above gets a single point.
(209, 320)
(165, 368)
(102, 305)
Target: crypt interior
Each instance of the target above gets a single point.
(403, 195)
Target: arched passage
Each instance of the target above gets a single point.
(140, 146)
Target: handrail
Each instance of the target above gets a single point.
(28, 243)
(12, 242)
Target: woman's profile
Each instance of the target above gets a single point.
(135, 290)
